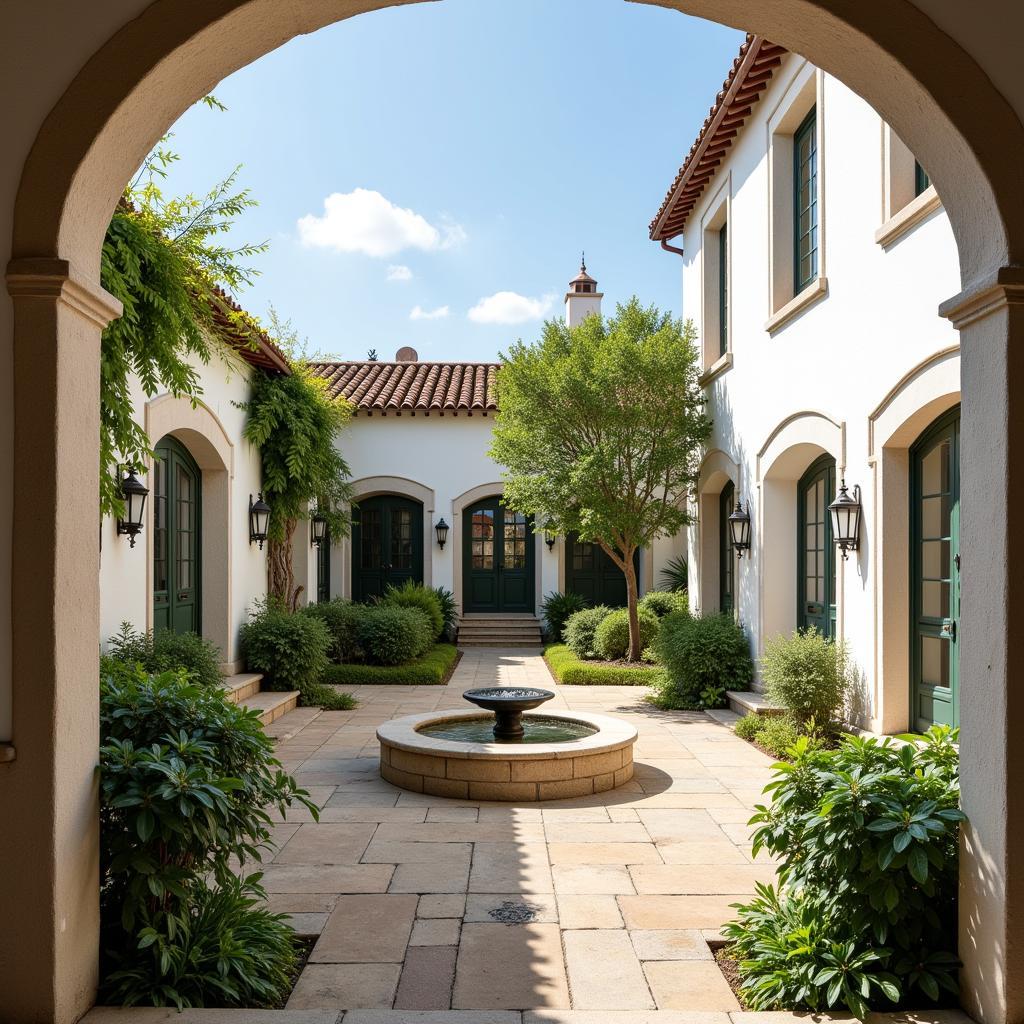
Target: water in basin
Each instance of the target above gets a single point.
(536, 729)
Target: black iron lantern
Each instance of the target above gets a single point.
(441, 529)
(134, 493)
(739, 527)
(549, 539)
(846, 515)
(318, 530)
(259, 520)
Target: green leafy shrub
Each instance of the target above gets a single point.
(168, 652)
(393, 635)
(779, 733)
(568, 669)
(580, 627)
(807, 674)
(748, 727)
(414, 595)
(187, 780)
(675, 574)
(556, 609)
(867, 837)
(611, 638)
(342, 619)
(432, 668)
(706, 652)
(447, 601)
(664, 602)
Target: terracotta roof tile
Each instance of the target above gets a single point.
(749, 76)
(412, 387)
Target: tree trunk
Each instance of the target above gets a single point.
(631, 603)
(281, 571)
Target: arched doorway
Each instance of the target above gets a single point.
(387, 544)
(592, 574)
(816, 551)
(726, 554)
(497, 558)
(935, 574)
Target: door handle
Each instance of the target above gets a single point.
(949, 630)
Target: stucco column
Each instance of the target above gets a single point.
(990, 317)
(49, 854)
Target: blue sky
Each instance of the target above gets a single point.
(472, 149)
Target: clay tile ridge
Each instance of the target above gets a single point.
(749, 76)
(422, 387)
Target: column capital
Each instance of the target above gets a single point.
(44, 277)
(985, 296)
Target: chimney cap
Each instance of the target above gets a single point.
(406, 354)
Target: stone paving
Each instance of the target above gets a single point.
(593, 909)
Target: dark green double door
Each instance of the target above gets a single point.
(177, 548)
(387, 544)
(935, 574)
(497, 558)
(590, 573)
(816, 550)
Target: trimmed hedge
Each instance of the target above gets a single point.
(431, 669)
(391, 635)
(414, 595)
(573, 671)
(342, 619)
(611, 638)
(580, 628)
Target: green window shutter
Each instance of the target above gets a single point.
(805, 202)
(921, 179)
(723, 290)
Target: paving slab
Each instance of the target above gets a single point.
(326, 878)
(326, 844)
(511, 908)
(592, 879)
(441, 905)
(589, 912)
(670, 944)
(607, 853)
(345, 985)
(685, 912)
(604, 972)
(427, 978)
(436, 931)
(510, 867)
(366, 929)
(441, 876)
(689, 985)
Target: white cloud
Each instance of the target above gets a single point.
(365, 221)
(418, 313)
(510, 308)
(398, 272)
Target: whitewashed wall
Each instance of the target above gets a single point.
(820, 381)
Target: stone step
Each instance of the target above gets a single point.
(242, 685)
(498, 634)
(271, 704)
(471, 629)
(500, 642)
(749, 702)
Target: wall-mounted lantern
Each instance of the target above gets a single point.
(441, 529)
(549, 539)
(846, 515)
(318, 529)
(134, 493)
(739, 527)
(259, 520)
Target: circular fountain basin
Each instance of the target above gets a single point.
(418, 753)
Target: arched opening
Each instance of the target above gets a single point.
(129, 78)
(713, 586)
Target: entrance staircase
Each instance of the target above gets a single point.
(244, 689)
(496, 630)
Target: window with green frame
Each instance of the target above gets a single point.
(805, 202)
(921, 179)
(723, 289)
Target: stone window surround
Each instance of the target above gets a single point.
(902, 210)
(717, 214)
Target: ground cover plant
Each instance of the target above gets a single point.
(864, 914)
(572, 670)
(187, 780)
(433, 668)
(556, 609)
(167, 651)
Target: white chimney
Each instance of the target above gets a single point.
(582, 298)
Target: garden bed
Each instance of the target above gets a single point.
(431, 669)
(572, 671)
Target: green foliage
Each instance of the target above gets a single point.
(601, 428)
(432, 668)
(749, 727)
(342, 619)
(291, 651)
(867, 837)
(187, 780)
(414, 595)
(392, 635)
(675, 575)
(556, 609)
(778, 734)
(611, 638)
(448, 611)
(568, 669)
(161, 259)
(807, 674)
(663, 602)
(168, 652)
(580, 628)
(701, 653)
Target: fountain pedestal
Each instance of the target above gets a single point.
(508, 704)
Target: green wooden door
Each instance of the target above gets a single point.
(726, 552)
(592, 574)
(177, 546)
(816, 551)
(935, 574)
(497, 559)
(323, 570)
(387, 544)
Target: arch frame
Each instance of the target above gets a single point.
(717, 468)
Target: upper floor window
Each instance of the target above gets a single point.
(714, 259)
(723, 289)
(921, 179)
(805, 201)
(908, 196)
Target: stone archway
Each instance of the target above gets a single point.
(122, 77)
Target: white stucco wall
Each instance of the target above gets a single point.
(835, 362)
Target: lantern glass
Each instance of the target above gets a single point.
(845, 513)
(739, 527)
(441, 529)
(259, 520)
(134, 493)
(319, 531)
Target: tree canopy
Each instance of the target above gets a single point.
(600, 428)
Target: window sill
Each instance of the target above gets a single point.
(716, 369)
(905, 220)
(796, 305)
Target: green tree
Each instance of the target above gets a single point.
(600, 428)
(294, 423)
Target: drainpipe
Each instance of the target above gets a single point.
(671, 248)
